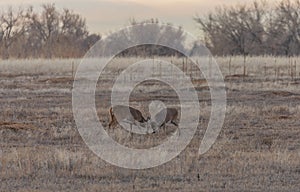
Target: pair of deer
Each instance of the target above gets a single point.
(132, 115)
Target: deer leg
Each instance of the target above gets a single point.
(111, 125)
(153, 129)
(130, 130)
(147, 125)
(164, 127)
(176, 124)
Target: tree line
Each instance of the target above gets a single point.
(249, 29)
(49, 33)
(255, 29)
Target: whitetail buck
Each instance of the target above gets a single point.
(125, 113)
(166, 115)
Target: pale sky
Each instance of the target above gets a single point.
(104, 16)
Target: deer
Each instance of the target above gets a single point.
(125, 113)
(166, 115)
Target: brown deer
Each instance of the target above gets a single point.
(166, 115)
(126, 113)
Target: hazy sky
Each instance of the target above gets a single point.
(109, 15)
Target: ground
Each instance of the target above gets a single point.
(258, 148)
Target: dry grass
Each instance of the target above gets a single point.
(41, 150)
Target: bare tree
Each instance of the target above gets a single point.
(234, 30)
(285, 32)
(11, 28)
(49, 26)
(73, 33)
(52, 33)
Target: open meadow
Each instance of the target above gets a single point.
(258, 148)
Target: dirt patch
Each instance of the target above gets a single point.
(235, 76)
(282, 93)
(16, 126)
(62, 80)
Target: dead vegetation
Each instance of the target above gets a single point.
(41, 150)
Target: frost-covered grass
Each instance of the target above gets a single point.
(263, 66)
(266, 66)
(37, 66)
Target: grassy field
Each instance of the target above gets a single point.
(258, 148)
